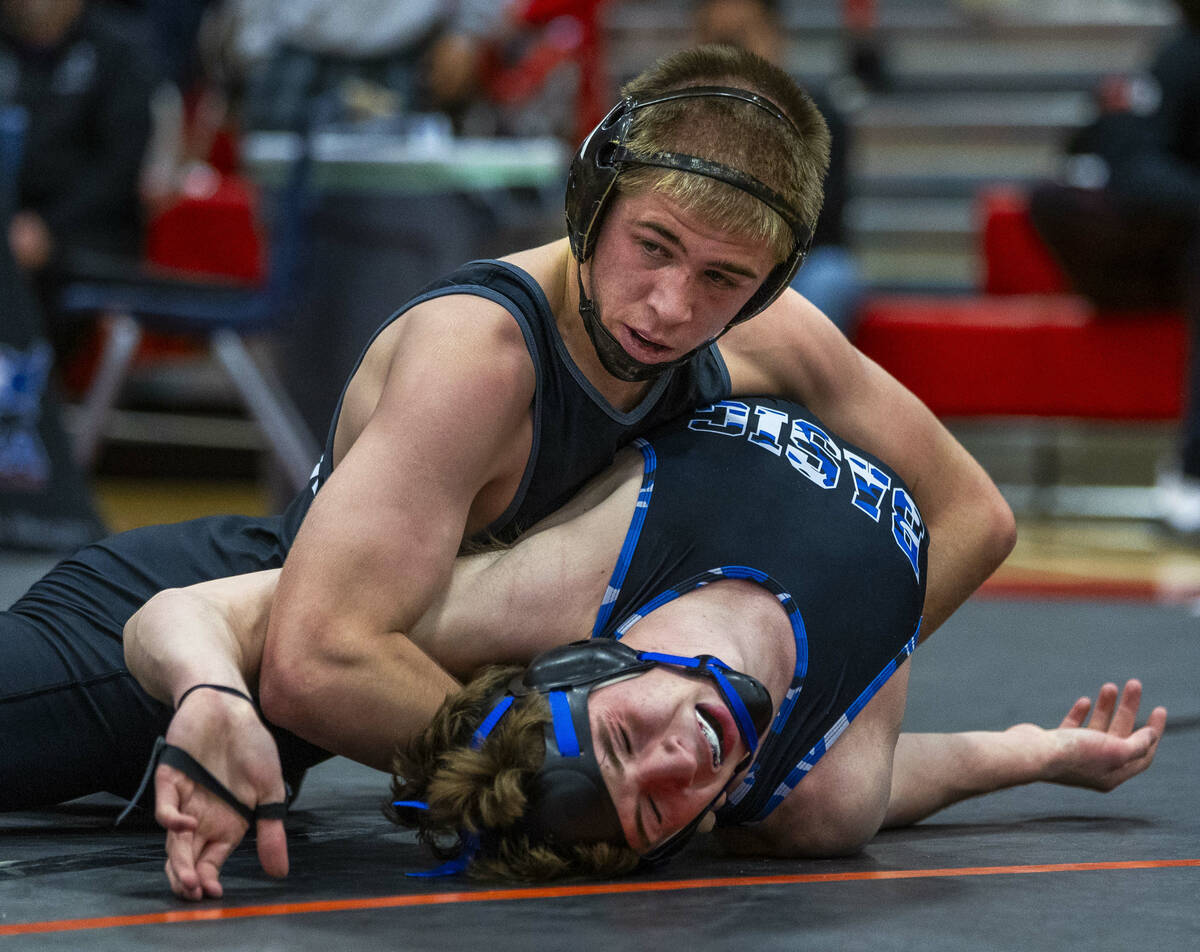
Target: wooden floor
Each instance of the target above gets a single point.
(127, 503)
(1103, 557)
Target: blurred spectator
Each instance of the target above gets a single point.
(544, 73)
(85, 73)
(1125, 223)
(174, 27)
(866, 59)
(830, 277)
(374, 57)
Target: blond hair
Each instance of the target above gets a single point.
(790, 159)
(485, 792)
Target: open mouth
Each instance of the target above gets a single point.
(646, 342)
(710, 730)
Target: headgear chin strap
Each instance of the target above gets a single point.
(597, 165)
(613, 357)
(569, 800)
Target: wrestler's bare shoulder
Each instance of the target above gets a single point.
(465, 324)
(547, 265)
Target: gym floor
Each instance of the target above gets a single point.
(1038, 867)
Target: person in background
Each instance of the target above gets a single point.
(374, 57)
(1125, 221)
(830, 278)
(85, 74)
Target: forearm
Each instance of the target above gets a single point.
(341, 672)
(971, 529)
(966, 545)
(932, 771)
(361, 706)
(179, 639)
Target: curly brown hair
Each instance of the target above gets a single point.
(485, 792)
(792, 162)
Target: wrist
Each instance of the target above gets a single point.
(222, 688)
(1034, 753)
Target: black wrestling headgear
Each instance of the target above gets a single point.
(570, 802)
(595, 170)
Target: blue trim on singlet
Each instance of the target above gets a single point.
(821, 747)
(613, 592)
(818, 750)
(629, 546)
(720, 572)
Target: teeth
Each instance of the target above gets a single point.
(710, 735)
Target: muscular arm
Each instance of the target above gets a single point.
(381, 536)
(797, 353)
(213, 633)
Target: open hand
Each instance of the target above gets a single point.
(224, 734)
(1108, 750)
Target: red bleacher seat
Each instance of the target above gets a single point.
(1025, 347)
(1039, 355)
(1015, 260)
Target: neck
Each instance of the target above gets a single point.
(738, 621)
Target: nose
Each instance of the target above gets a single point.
(668, 765)
(670, 296)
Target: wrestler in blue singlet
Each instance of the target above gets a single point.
(757, 488)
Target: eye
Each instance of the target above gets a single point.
(625, 741)
(720, 279)
(652, 248)
(654, 809)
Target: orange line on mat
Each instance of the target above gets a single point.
(556, 892)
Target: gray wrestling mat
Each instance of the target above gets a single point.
(1031, 868)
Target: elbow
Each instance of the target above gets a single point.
(834, 834)
(293, 677)
(813, 827)
(281, 690)
(1001, 529)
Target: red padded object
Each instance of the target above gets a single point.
(1015, 260)
(211, 234)
(1037, 355)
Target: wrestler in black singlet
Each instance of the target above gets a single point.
(72, 719)
(757, 488)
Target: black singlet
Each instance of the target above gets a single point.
(758, 488)
(576, 432)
